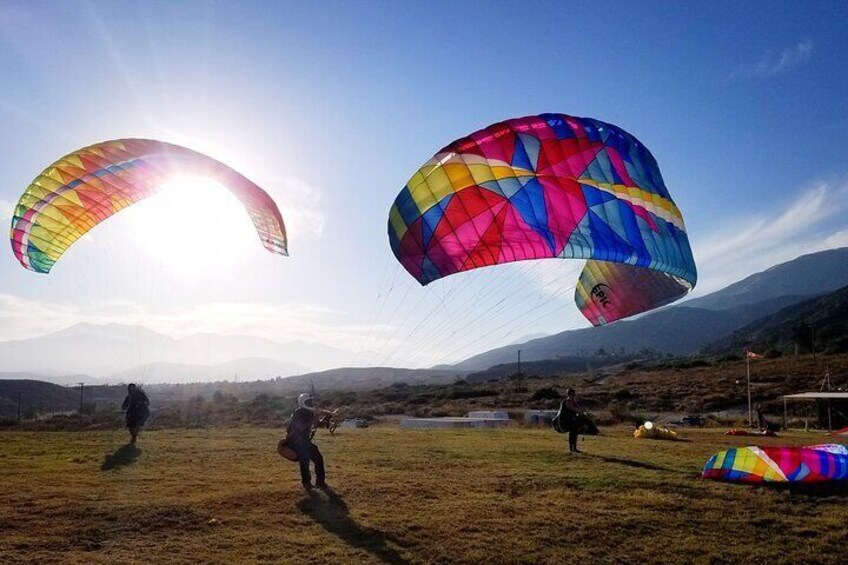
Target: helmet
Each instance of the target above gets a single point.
(569, 392)
(304, 400)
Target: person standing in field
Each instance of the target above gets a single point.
(571, 412)
(299, 437)
(136, 405)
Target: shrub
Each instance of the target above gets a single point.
(545, 393)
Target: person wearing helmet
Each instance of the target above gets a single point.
(299, 435)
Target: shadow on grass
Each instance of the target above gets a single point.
(817, 490)
(632, 463)
(123, 456)
(331, 512)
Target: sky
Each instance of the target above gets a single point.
(332, 106)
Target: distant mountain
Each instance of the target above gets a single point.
(42, 397)
(795, 325)
(62, 380)
(686, 327)
(252, 369)
(368, 378)
(809, 275)
(105, 350)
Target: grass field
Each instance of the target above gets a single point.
(471, 496)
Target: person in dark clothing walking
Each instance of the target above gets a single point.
(136, 405)
(761, 418)
(572, 412)
(299, 438)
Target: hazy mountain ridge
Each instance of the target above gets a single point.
(814, 274)
(249, 369)
(684, 328)
(134, 353)
(794, 325)
(41, 396)
(110, 351)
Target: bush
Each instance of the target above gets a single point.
(545, 393)
(623, 394)
(463, 393)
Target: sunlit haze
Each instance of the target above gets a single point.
(332, 109)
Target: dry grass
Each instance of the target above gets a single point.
(472, 496)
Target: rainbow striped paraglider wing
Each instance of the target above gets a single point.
(85, 187)
(812, 464)
(543, 187)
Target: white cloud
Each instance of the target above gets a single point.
(749, 244)
(23, 318)
(300, 205)
(6, 209)
(772, 63)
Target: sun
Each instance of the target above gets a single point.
(193, 225)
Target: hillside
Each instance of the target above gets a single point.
(338, 380)
(827, 316)
(684, 328)
(40, 397)
(808, 275)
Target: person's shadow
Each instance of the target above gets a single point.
(632, 463)
(124, 455)
(331, 512)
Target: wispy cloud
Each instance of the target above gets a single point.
(752, 243)
(24, 318)
(6, 208)
(300, 204)
(772, 63)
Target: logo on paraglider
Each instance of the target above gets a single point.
(602, 294)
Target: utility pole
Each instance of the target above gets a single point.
(748, 365)
(519, 363)
(826, 386)
(82, 386)
(815, 360)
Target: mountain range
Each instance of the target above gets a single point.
(687, 327)
(820, 323)
(119, 353)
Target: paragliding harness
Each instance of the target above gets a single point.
(326, 421)
(566, 420)
(138, 409)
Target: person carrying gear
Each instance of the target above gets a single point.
(570, 411)
(299, 434)
(136, 405)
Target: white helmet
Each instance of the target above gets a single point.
(304, 400)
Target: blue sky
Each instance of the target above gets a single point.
(331, 107)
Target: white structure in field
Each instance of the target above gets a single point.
(539, 417)
(437, 423)
(498, 415)
(355, 423)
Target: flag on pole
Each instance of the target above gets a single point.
(752, 355)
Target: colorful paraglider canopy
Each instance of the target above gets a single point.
(549, 186)
(797, 464)
(85, 187)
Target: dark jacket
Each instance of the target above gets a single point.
(136, 406)
(300, 425)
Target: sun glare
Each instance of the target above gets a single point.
(193, 225)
